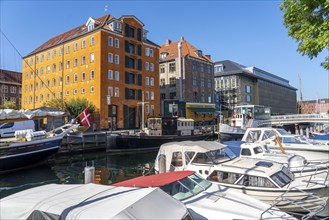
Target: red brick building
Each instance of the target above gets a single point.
(315, 106)
(10, 87)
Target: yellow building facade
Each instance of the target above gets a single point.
(107, 61)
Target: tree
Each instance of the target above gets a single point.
(9, 105)
(308, 23)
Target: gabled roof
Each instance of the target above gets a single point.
(187, 50)
(71, 34)
(157, 180)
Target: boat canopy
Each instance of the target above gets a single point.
(158, 180)
(90, 201)
(199, 146)
(9, 115)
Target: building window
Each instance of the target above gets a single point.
(209, 83)
(92, 57)
(162, 82)
(172, 95)
(147, 81)
(116, 43)
(83, 44)
(202, 82)
(91, 26)
(83, 77)
(68, 49)
(172, 82)
(110, 57)
(151, 53)
(67, 92)
(172, 67)
(117, 75)
(201, 67)
(208, 69)
(60, 53)
(162, 69)
(110, 41)
(147, 95)
(233, 83)
(75, 46)
(67, 79)
(75, 62)
(152, 95)
(248, 89)
(194, 66)
(92, 74)
(92, 41)
(75, 78)
(67, 64)
(116, 92)
(147, 52)
(92, 89)
(48, 54)
(83, 60)
(83, 90)
(48, 68)
(75, 91)
(116, 59)
(152, 81)
(54, 82)
(152, 67)
(110, 74)
(110, 91)
(60, 80)
(194, 81)
(219, 68)
(147, 66)
(248, 98)
(54, 53)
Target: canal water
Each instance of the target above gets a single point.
(70, 170)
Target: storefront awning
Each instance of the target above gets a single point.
(202, 110)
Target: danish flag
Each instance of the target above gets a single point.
(85, 118)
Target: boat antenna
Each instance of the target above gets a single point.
(26, 63)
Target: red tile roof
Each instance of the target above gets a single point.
(187, 50)
(71, 34)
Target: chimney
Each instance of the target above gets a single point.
(168, 42)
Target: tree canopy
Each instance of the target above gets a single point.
(308, 23)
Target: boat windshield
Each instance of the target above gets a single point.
(215, 156)
(291, 140)
(281, 178)
(282, 131)
(187, 187)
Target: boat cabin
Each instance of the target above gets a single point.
(161, 126)
(245, 115)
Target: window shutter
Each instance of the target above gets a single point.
(140, 64)
(127, 78)
(127, 62)
(139, 48)
(139, 94)
(127, 30)
(126, 46)
(139, 34)
(139, 79)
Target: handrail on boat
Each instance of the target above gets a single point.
(283, 200)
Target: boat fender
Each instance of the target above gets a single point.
(162, 163)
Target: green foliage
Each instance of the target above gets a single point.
(9, 105)
(308, 23)
(74, 106)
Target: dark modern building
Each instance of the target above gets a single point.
(10, 87)
(238, 84)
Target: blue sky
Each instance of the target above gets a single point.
(248, 32)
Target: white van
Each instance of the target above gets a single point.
(8, 129)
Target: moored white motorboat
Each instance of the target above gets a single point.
(263, 180)
(91, 201)
(290, 144)
(296, 163)
(206, 200)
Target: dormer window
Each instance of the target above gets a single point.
(199, 52)
(163, 55)
(145, 34)
(115, 25)
(90, 24)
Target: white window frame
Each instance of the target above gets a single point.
(92, 41)
(147, 81)
(116, 59)
(92, 57)
(116, 92)
(116, 76)
(110, 74)
(110, 41)
(110, 57)
(116, 43)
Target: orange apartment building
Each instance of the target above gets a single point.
(108, 61)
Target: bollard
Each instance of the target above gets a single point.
(301, 132)
(89, 174)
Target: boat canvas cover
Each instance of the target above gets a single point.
(11, 114)
(155, 180)
(90, 201)
(199, 146)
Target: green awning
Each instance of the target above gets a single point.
(202, 110)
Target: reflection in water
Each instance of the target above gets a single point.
(70, 170)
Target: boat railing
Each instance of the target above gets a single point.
(310, 203)
(312, 178)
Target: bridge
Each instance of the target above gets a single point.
(296, 119)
